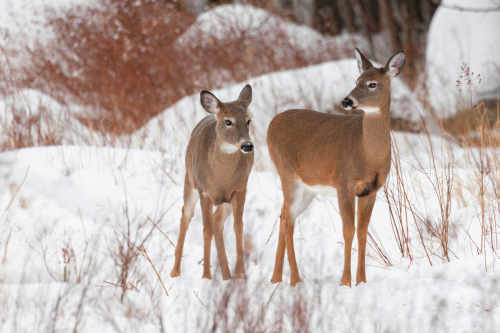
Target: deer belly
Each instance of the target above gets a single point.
(326, 191)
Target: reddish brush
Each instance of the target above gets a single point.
(125, 63)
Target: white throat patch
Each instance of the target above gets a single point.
(228, 148)
(371, 110)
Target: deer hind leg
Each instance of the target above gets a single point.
(207, 209)
(365, 208)
(190, 199)
(218, 219)
(346, 207)
(280, 252)
(294, 205)
(238, 203)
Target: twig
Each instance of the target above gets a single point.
(134, 287)
(272, 231)
(273, 293)
(123, 287)
(159, 278)
(198, 298)
(15, 194)
(166, 173)
(161, 231)
(138, 248)
(275, 326)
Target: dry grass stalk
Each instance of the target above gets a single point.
(161, 231)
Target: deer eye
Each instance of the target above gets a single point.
(372, 85)
(248, 122)
(228, 123)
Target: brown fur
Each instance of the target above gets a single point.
(349, 153)
(217, 179)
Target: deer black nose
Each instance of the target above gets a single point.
(347, 103)
(247, 147)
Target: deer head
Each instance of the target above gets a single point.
(233, 122)
(373, 87)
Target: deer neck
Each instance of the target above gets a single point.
(377, 134)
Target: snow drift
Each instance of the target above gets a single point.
(462, 36)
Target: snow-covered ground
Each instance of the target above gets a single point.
(463, 36)
(65, 211)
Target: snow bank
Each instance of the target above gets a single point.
(26, 18)
(235, 20)
(457, 36)
(75, 199)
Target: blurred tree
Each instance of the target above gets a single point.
(387, 25)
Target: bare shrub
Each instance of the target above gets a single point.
(478, 152)
(117, 58)
(126, 63)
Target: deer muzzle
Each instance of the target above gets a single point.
(347, 103)
(247, 147)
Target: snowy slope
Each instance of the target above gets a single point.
(232, 21)
(26, 18)
(462, 36)
(79, 199)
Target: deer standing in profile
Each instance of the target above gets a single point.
(335, 155)
(219, 158)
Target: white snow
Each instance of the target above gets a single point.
(462, 36)
(27, 18)
(229, 19)
(79, 199)
(231, 22)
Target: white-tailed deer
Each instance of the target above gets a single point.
(219, 158)
(347, 156)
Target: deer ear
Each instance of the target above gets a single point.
(246, 96)
(363, 62)
(209, 102)
(396, 64)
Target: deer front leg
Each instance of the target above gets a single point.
(238, 203)
(346, 207)
(365, 208)
(219, 218)
(207, 211)
(190, 199)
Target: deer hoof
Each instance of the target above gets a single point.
(293, 282)
(175, 273)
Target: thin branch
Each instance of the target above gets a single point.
(159, 278)
(273, 293)
(161, 231)
(198, 298)
(15, 194)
